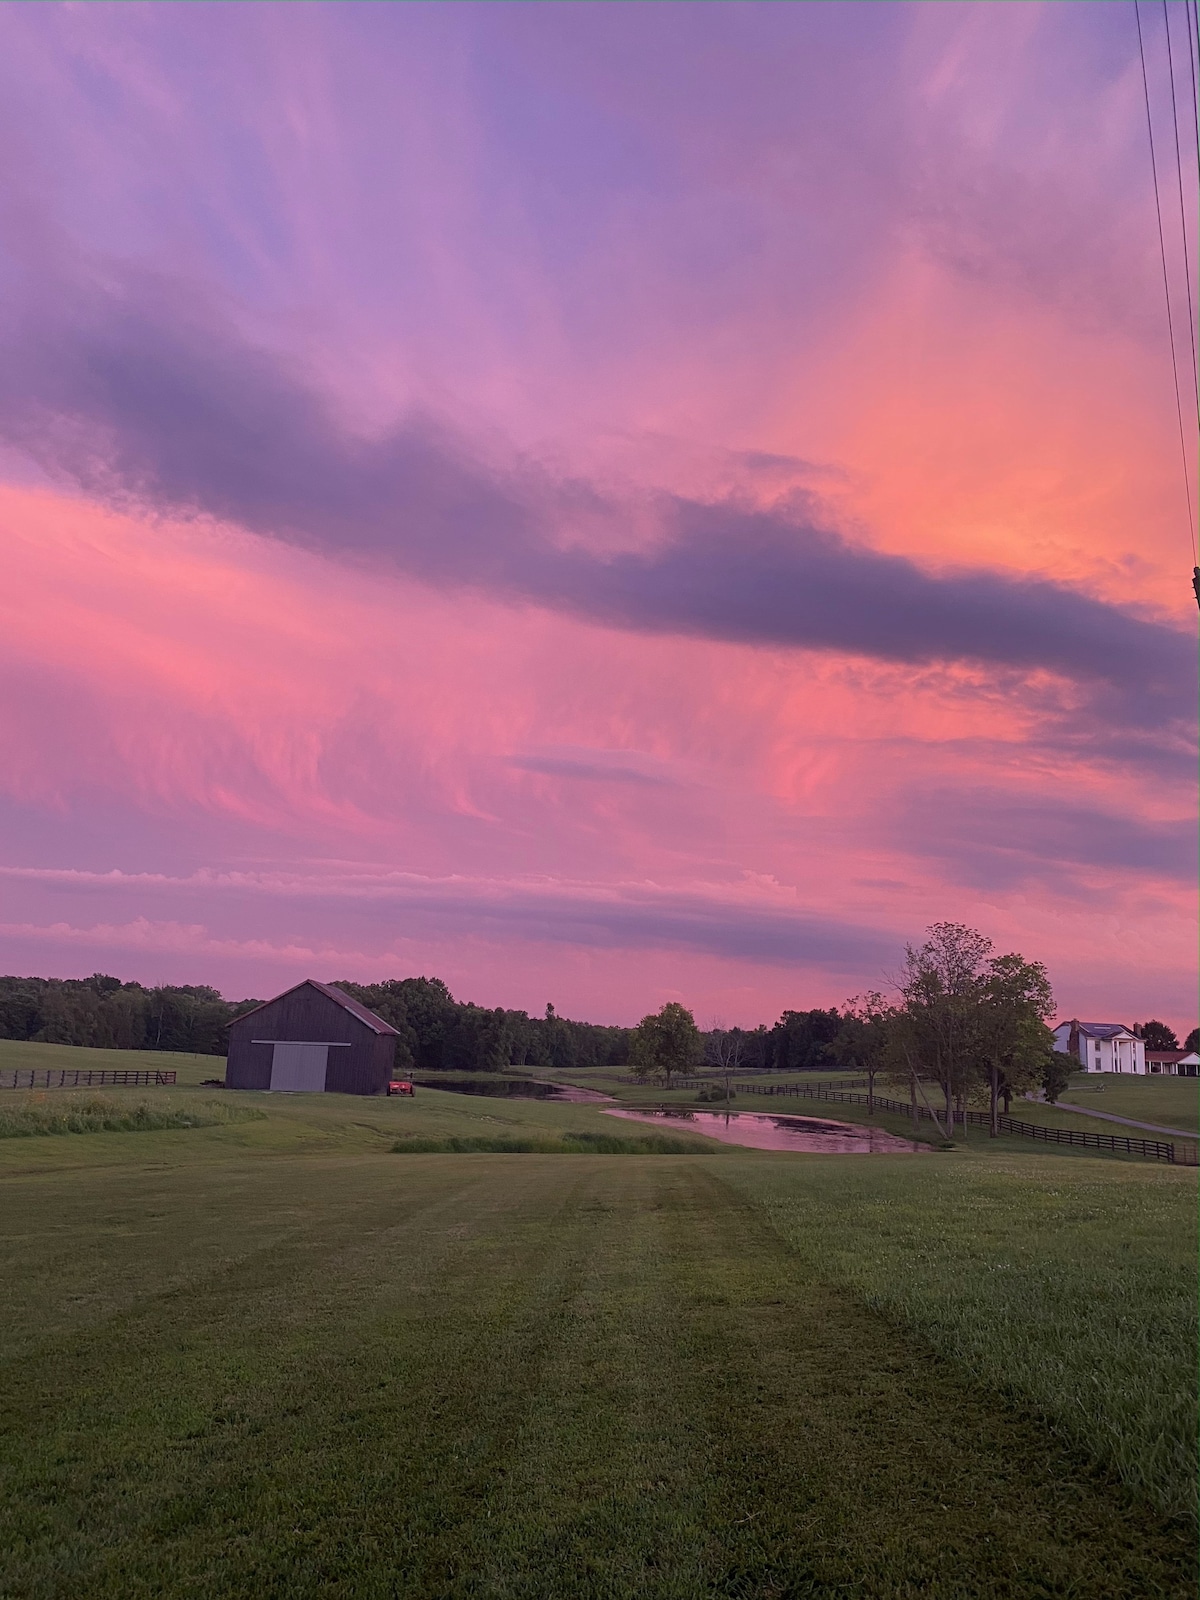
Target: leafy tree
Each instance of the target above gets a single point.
(939, 1026)
(802, 1040)
(1156, 1035)
(104, 1012)
(866, 1038)
(1015, 1044)
(1192, 1042)
(666, 1041)
(1056, 1074)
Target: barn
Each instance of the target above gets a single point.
(312, 1038)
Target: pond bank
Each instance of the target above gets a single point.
(760, 1131)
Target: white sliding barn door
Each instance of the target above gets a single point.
(299, 1068)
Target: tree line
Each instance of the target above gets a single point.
(440, 1034)
(104, 1012)
(436, 1032)
(959, 1020)
(951, 991)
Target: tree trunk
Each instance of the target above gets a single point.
(994, 1085)
(929, 1108)
(871, 1091)
(949, 1110)
(1007, 1099)
(916, 1115)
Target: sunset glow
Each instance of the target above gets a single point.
(603, 504)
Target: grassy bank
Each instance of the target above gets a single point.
(572, 1142)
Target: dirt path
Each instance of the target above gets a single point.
(1128, 1122)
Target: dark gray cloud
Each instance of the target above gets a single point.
(998, 840)
(665, 922)
(349, 907)
(140, 393)
(591, 771)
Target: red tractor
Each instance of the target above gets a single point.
(400, 1086)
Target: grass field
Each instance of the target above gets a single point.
(272, 1357)
(22, 1054)
(1173, 1102)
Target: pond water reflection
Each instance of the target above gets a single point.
(761, 1132)
(512, 1088)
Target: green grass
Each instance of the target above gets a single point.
(270, 1358)
(23, 1054)
(1066, 1286)
(1171, 1102)
(25, 1116)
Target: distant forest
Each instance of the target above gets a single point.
(437, 1033)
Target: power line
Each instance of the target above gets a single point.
(1183, 227)
(1187, 482)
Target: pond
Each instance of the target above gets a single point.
(762, 1132)
(513, 1089)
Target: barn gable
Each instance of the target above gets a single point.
(312, 1037)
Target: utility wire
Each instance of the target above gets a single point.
(1183, 227)
(1162, 248)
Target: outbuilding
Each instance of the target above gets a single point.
(312, 1038)
(1173, 1063)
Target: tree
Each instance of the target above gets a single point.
(1015, 1045)
(1156, 1035)
(664, 1042)
(939, 1026)
(866, 1038)
(1192, 1042)
(803, 1040)
(724, 1048)
(1056, 1074)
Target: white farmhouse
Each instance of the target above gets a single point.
(1101, 1046)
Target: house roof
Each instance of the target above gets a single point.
(331, 992)
(1103, 1030)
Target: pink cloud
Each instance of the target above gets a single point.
(887, 299)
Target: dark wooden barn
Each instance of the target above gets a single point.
(312, 1038)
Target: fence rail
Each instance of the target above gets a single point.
(711, 1078)
(82, 1077)
(1184, 1154)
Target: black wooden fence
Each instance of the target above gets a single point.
(80, 1078)
(1183, 1154)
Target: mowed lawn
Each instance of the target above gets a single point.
(1171, 1102)
(274, 1358)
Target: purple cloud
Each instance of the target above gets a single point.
(140, 392)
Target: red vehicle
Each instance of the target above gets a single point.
(400, 1086)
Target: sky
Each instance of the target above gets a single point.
(604, 504)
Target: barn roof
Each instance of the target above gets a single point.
(339, 996)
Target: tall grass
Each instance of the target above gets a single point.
(600, 1144)
(98, 1114)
